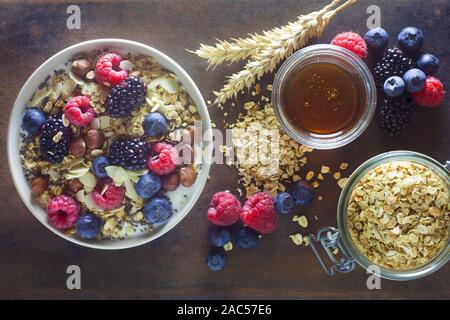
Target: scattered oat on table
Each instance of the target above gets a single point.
(297, 239)
(325, 169)
(303, 221)
(259, 169)
(337, 175)
(342, 182)
(343, 166)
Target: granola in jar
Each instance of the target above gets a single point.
(399, 215)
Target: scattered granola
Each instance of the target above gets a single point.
(325, 169)
(342, 182)
(297, 239)
(303, 221)
(398, 215)
(343, 166)
(228, 246)
(265, 156)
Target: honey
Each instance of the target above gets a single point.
(323, 99)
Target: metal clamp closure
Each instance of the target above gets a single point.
(329, 239)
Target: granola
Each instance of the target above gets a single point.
(74, 175)
(266, 157)
(398, 215)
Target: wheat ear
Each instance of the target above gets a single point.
(243, 48)
(278, 49)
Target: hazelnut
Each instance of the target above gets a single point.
(187, 176)
(81, 67)
(78, 147)
(39, 185)
(94, 139)
(75, 185)
(171, 181)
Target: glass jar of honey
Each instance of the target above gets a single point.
(324, 96)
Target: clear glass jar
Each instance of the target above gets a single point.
(341, 237)
(325, 53)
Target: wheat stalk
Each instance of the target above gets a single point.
(243, 48)
(267, 50)
(281, 47)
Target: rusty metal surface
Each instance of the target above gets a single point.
(33, 260)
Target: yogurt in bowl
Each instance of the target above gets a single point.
(99, 157)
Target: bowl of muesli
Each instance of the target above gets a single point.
(109, 143)
(393, 218)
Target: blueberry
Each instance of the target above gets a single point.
(284, 203)
(33, 120)
(216, 260)
(98, 166)
(410, 39)
(154, 124)
(394, 86)
(88, 226)
(302, 193)
(148, 185)
(219, 236)
(377, 39)
(428, 63)
(246, 238)
(158, 210)
(414, 80)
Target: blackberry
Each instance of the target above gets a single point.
(394, 114)
(125, 97)
(130, 153)
(54, 141)
(393, 63)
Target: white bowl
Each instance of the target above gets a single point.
(59, 60)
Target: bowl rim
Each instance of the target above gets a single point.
(75, 49)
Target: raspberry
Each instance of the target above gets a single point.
(163, 159)
(259, 213)
(62, 212)
(107, 70)
(224, 209)
(432, 95)
(351, 41)
(106, 195)
(78, 111)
